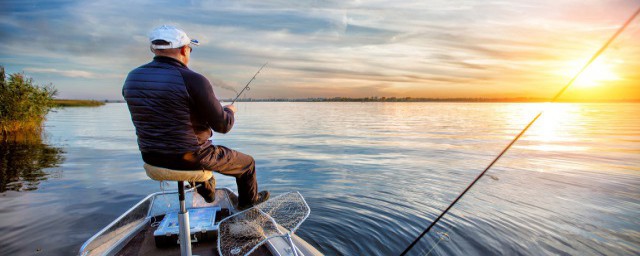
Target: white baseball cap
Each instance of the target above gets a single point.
(175, 36)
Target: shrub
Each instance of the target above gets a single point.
(23, 105)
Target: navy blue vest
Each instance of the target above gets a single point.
(159, 102)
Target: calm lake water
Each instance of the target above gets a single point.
(374, 174)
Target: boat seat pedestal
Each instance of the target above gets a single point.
(162, 174)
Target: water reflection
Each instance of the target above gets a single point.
(375, 175)
(23, 159)
(559, 128)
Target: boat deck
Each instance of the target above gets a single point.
(133, 232)
(144, 244)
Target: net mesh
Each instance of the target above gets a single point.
(243, 232)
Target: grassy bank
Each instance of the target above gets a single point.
(23, 105)
(77, 103)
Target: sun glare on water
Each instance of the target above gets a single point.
(557, 129)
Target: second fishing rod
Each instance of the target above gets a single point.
(515, 139)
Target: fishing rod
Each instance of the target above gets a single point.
(593, 58)
(246, 87)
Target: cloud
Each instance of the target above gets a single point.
(410, 46)
(67, 73)
(70, 73)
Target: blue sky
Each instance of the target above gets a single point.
(331, 48)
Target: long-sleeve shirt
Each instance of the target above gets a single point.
(175, 112)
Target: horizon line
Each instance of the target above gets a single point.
(411, 99)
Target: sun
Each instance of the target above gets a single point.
(598, 73)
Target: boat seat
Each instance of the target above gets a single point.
(162, 174)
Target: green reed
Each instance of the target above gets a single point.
(23, 105)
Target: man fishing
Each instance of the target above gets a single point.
(175, 112)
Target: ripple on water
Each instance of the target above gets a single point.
(375, 175)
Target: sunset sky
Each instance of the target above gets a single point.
(517, 48)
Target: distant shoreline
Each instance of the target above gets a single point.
(77, 103)
(394, 99)
(409, 99)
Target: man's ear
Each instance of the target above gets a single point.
(151, 49)
(183, 50)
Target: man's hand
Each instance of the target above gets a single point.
(231, 107)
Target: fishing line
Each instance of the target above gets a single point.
(164, 195)
(593, 58)
(246, 87)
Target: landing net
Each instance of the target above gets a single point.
(243, 232)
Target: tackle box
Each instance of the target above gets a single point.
(202, 223)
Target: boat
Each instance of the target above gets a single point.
(136, 231)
